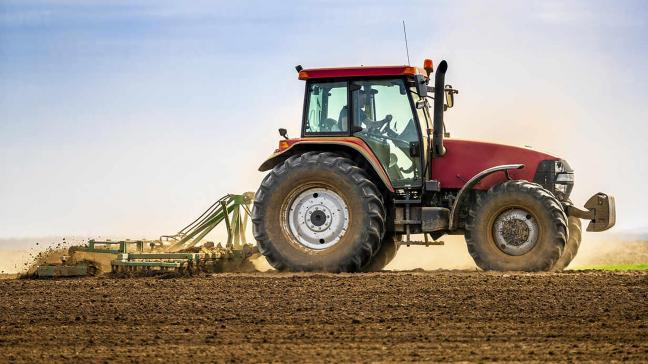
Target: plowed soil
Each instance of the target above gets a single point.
(406, 316)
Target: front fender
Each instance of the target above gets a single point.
(462, 195)
(347, 144)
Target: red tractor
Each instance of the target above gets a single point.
(374, 165)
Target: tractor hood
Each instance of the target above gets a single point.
(465, 158)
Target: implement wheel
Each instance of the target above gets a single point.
(516, 226)
(318, 212)
(573, 243)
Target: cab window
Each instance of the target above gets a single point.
(327, 105)
(383, 111)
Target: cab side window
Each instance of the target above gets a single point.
(327, 108)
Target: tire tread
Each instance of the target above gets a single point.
(549, 202)
(370, 193)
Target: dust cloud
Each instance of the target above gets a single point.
(26, 261)
(599, 251)
(452, 255)
(13, 261)
(261, 264)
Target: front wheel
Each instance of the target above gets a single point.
(573, 243)
(516, 226)
(318, 211)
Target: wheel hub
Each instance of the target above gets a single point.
(318, 218)
(515, 231)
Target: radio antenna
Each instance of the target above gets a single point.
(406, 46)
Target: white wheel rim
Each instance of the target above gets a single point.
(515, 231)
(318, 218)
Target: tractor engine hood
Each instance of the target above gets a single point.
(466, 158)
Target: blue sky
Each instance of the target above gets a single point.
(126, 118)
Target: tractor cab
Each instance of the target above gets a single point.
(387, 107)
(381, 111)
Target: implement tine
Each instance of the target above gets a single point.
(227, 224)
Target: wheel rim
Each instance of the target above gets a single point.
(515, 231)
(318, 218)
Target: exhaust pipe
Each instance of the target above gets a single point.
(439, 103)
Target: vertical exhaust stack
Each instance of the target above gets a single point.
(439, 103)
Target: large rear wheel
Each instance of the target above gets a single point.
(516, 226)
(318, 211)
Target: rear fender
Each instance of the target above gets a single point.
(354, 146)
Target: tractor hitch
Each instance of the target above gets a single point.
(599, 209)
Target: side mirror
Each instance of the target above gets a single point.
(449, 95)
(421, 86)
(283, 132)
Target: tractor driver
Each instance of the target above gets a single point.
(362, 117)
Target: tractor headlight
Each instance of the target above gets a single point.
(565, 178)
(556, 176)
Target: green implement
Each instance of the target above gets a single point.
(234, 210)
(184, 251)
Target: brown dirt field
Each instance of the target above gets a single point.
(406, 316)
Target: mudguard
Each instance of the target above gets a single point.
(300, 145)
(462, 195)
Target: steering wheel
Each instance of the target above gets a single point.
(378, 126)
(400, 139)
(328, 124)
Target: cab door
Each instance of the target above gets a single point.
(383, 112)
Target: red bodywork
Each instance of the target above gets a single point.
(466, 158)
(463, 160)
(346, 72)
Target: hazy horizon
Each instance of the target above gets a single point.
(129, 118)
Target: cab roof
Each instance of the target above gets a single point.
(370, 71)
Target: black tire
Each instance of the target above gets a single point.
(538, 206)
(275, 199)
(573, 243)
(385, 254)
